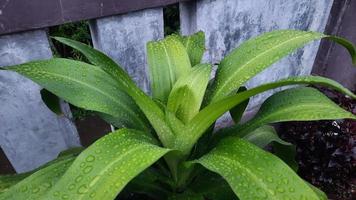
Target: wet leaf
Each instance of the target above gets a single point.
(254, 173)
(103, 169)
(187, 93)
(256, 54)
(263, 136)
(195, 45)
(85, 86)
(297, 104)
(168, 61)
(207, 116)
(151, 110)
(7, 181)
(286, 153)
(40, 182)
(317, 191)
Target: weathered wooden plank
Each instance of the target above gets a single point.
(30, 134)
(20, 15)
(227, 23)
(332, 60)
(124, 39)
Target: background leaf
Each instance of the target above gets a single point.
(187, 195)
(149, 183)
(263, 136)
(195, 45)
(212, 186)
(286, 153)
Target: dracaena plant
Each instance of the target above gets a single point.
(165, 147)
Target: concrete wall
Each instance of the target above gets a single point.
(334, 61)
(228, 23)
(30, 134)
(124, 38)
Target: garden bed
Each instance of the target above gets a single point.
(326, 150)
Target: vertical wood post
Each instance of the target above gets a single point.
(30, 134)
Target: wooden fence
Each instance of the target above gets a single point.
(31, 135)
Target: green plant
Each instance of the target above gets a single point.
(78, 31)
(165, 147)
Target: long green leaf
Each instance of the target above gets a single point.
(263, 136)
(258, 53)
(6, 181)
(297, 104)
(203, 120)
(187, 93)
(195, 45)
(168, 61)
(85, 86)
(97, 58)
(286, 153)
(52, 101)
(152, 111)
(39, 183)
(253, 173)
(103, 170)
(317, 191)
(238, 111)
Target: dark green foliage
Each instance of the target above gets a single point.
(171, 19)
(78, 31)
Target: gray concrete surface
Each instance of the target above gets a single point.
(333, 60)
(124, 39)
(228, 23)
(30, 134)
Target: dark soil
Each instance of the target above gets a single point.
(5, 165)
(91, 128)
(326, 150)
